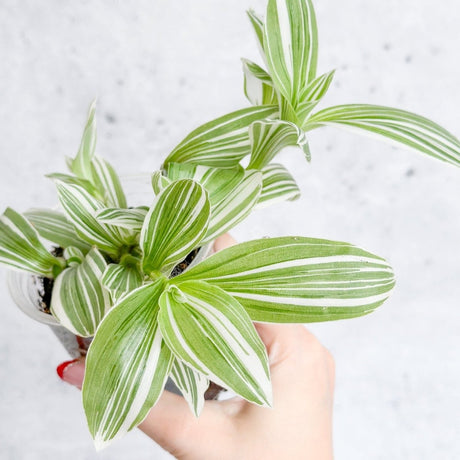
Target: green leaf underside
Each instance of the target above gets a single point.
(192, 385)
(79, 300)
(258, 85)
(232, 192)
(277, 185)
(400, 126)
(174, 226)
(126, 367)
(81, 208)
(73, 255)
(291, 45)
(121, 279)
(222, 142)
(258, 26)
(21, 248)
(297, 279)
(210, 331)
(81, 165)
(269, 137)
(54, 226)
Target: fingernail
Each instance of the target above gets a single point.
(71, 373)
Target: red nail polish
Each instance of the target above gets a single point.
(61, 368)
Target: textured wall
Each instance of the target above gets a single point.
(160, 68)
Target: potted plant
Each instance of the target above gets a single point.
(128, 276)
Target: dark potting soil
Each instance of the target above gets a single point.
(181, 266)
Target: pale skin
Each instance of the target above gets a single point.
(299, 426)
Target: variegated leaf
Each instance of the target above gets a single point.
(73, 255)
(210, 331)
(297, 279)
(81, 208)
(192, 385)
(312, 94)
(269, 137)
(79, 301)
(174, 226)
(258, 26)
(81, 165)
(222, 142)
(277, 185)
(21, 248)
(74, 180)
(130, 219)
(235, 206)
(107, 182)
(54, 226)
(232, 193)
(409, 129)
(159, 182)
(291, 45)
(120, 279)
(258, 85)
(126, 367)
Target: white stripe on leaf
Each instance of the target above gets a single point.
(125, 377)
(21, 248)
(269, 137)
(54, 227)
(174, 226)
(209, 330)
(79, 301)
(297, 279)
(399, 126)
(222, 142)
(191, 383)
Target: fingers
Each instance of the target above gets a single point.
(171, 424)
(224, 241)
(72, 372)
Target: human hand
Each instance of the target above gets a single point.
(299, 426)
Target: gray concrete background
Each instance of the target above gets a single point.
(161, 68)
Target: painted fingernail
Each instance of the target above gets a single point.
(71, 373)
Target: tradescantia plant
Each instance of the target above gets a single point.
(119, 276)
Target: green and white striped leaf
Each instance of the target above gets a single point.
(120, 279)
(159, 182)
(258, 85)
(192, 385)
(74, 180)
(126, 367)
(233, 193)
(54, 226)
(277, 185)
(21, 248)
(291, 45)
(129, 219)
(81, 164)
(312, 94)
(209, 330)
(258, 26)
(222, 142)
(81, 208)
(79, 301)
(269, 137)
(174, 226)
(234, 206)
(108, 183)
(73, 255)
(218, 182)
(409, 129)
(297, 279)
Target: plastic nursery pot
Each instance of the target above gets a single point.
(32, 293)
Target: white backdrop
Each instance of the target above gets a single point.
(160, 69)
